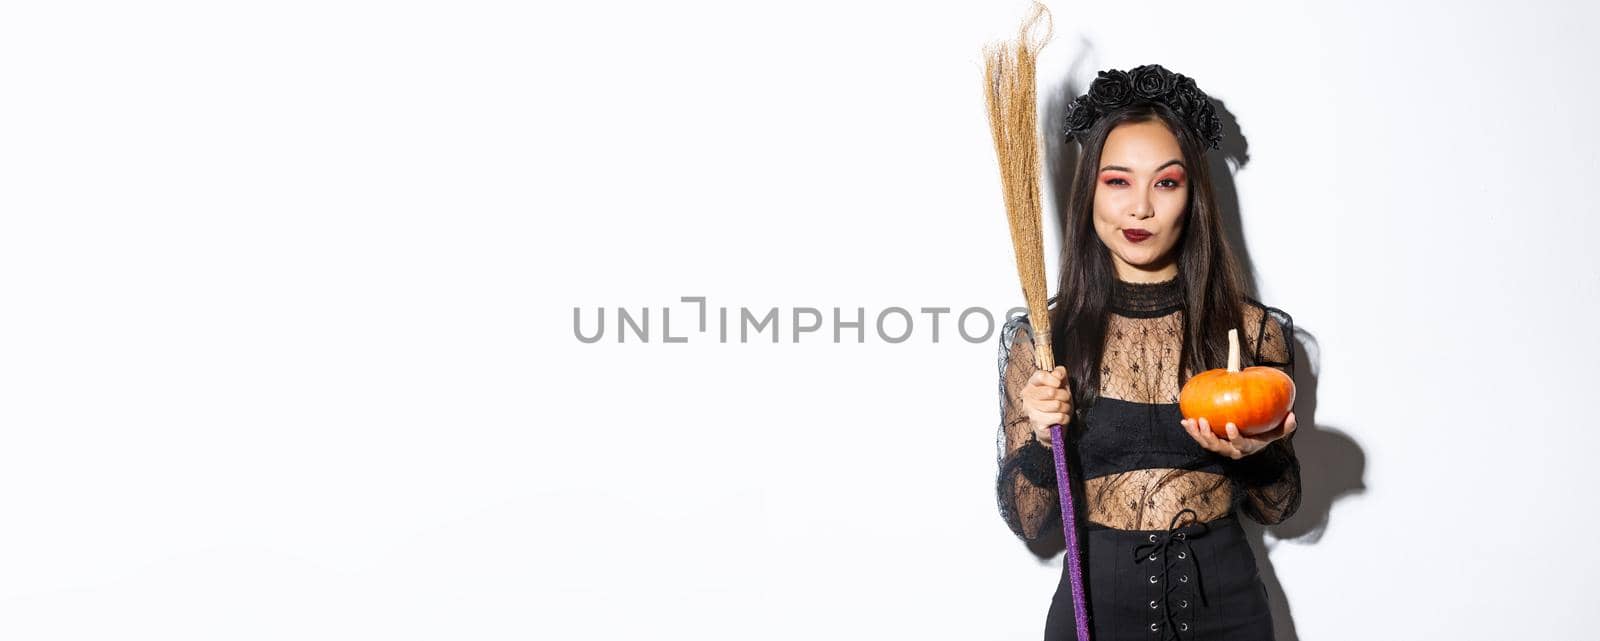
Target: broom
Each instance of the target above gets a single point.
(1009, 93)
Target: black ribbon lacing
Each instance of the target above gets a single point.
(1159, 544)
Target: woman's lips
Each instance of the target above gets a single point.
(1135, 235)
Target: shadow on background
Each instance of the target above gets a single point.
(1332, 464)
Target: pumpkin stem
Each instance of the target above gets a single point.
(1233, 350)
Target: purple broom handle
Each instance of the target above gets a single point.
(1069, 526)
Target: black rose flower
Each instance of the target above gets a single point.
(1151, 81)
(1213, 130)
(1184, 83)
(1184, 101)
(1206, 123)
(1080, 115)
(1112, 89)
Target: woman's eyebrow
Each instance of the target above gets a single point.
(1164, 165)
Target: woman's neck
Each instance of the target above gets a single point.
(1131, 274)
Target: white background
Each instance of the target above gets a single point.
(287, 291)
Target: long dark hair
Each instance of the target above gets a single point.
(1208, 272)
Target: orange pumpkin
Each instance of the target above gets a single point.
(1255, 400)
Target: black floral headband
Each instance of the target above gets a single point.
(1145, 83)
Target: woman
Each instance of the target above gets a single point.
(1148, 291)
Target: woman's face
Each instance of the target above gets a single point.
(1142, 186)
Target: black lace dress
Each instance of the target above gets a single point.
(1164, 556)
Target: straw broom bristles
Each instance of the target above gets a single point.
(1009, 69)
(1009, 75)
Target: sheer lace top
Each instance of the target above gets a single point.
(1138, 466)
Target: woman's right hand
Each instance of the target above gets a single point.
(1047, 401)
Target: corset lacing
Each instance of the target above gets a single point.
(1160, 547)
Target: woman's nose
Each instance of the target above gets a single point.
(1143, 208)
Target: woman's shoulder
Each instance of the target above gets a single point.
(1258, 313)
(1019, 317)
(1269, 332)
(1016, 328)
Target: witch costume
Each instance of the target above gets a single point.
(1163, 552)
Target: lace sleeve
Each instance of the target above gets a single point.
(1026, 481)
(1267, 483)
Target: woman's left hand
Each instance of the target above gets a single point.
(1236, 446)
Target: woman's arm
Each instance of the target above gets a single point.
(1267, 482)
(1026, 483)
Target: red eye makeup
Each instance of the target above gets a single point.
(1114, 176)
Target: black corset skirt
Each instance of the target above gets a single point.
(1193, 582)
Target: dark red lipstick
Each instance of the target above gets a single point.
(1136, 235)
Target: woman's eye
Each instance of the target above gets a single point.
(1116, 181)
(1169, 183)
